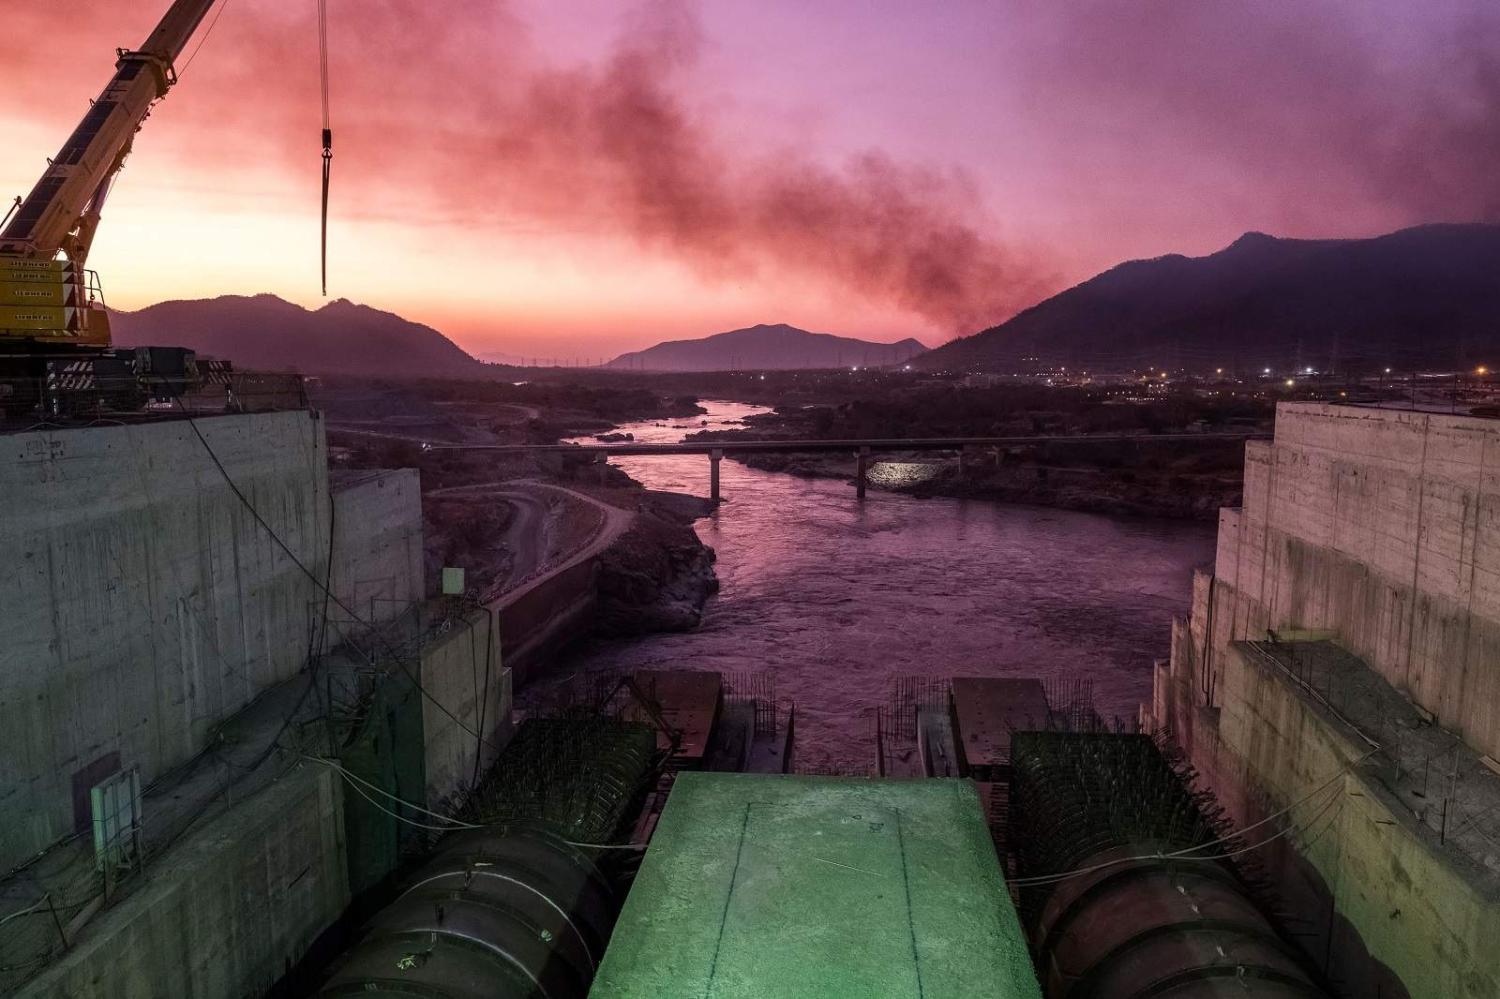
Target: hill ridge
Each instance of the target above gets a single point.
(1425, 295)
(266, 332)
(768, 346)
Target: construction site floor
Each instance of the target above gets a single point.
(767, 886)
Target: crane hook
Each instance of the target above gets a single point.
(327, 133)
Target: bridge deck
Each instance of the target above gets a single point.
(732, 446)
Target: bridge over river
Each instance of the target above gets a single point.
(863, 449)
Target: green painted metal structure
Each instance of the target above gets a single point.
(785, 887)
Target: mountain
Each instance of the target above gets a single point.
(266, 333)
(778, 347)
(1427, 296)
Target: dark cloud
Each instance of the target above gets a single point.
(1398, 101)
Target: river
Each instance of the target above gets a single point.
(836, 598)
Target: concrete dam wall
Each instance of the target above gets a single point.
(143, 603)
(1350, 634)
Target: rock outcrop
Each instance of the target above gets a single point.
(657, 575)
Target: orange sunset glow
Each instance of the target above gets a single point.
(575, 180)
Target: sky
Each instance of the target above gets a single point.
(556, 179)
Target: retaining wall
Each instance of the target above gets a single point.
(1379, 901)
(1376, 528)
(142, 601)
(377, 543)
(1383, 526)
(227, 911)
(461, 671)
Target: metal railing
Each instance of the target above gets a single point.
(82, 393)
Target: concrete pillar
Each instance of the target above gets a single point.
(863, 474)
(713, 473)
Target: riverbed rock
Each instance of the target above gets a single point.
(681, 507)
(655, 577)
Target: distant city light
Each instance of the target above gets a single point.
(1481, 370)
(906, 368)
(1307, 370)
(1268, 370)
(1218, 371)
(1387, 370)
(1290, 383)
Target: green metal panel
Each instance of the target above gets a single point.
(767, 886)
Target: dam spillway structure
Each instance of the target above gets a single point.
(1126, 878)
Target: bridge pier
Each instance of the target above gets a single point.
(714, 457)
(862, 474)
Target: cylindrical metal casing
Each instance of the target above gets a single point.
(494, 914)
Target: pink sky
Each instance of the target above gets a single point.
(577, 179)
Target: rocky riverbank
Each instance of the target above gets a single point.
(658, 574)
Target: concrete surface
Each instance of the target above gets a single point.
(1374, 529)
(1424, 906)
(1384, 527)
(227, 910)
(461, 671)
(377, 542)
(143, 604)
(759, 887)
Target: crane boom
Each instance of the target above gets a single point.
(42, 298)
(51, 215)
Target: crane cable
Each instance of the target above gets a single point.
(202, 40)
(327, 132)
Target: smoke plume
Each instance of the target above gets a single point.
(475, 125)
(1172, 122)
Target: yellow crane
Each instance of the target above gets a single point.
(48, 299)
(54, 329)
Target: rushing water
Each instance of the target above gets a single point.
(836, 598)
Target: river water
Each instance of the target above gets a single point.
(837, 598)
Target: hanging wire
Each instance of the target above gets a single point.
(327, 132)
(203, 39)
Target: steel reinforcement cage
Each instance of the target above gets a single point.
(1129, 878)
